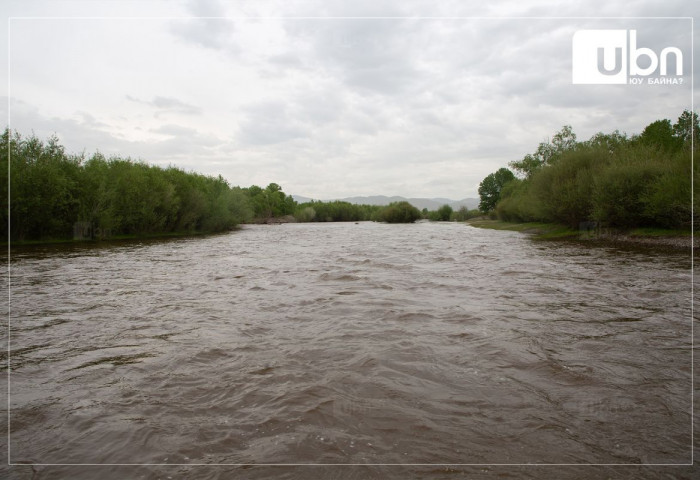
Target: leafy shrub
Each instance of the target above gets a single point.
(565, 189)
(52, 191)
(464, 214)
(621, 191)
(444, 213)
(399, 212)
(305, 214)
(518, 204)
(614, 179)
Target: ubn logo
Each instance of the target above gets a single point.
(603, 56)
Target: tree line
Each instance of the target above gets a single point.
(613, 180)
(397, 212)
(335, 211)
(53, 194)
(340, 211)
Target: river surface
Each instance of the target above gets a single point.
(368, 344)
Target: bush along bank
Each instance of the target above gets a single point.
(58, 197)
(611, 185)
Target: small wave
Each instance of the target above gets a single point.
(343, 277)
(115, 360)
(49, 324)
(262, 371)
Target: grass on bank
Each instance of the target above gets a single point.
(658, 232)
(541, 230)
(555, 230)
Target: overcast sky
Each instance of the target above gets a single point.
(328, 99)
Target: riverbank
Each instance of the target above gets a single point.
(114, 238)
(273, 220)
(639, 236)
(145, 236)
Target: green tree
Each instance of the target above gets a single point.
(610, 142)
(490, 188)
(464, 214)
(270, 202)
(444, 213)
(564, 140)
(661, 134)
(399, 212)
(547, 152)
(687, 129)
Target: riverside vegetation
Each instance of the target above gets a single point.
(51, 191)
(55, 196)
(612, 180)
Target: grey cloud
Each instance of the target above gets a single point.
(362, 124)
(173, 103)
(383, 79)
(174, 130)
(369, 56)
(89, 120)
(318, 107)
(208, 26)
(602, 8)
(286, 60)
(306, 114)
(269, 123)
(90, 135)
(183, 146)
(360, 8)
(85, 134)
(168, 104)
(395, 57)
(210, 33)
(206, 8)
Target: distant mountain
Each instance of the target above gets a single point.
(374, 200)
(419, 203)
(300, 199)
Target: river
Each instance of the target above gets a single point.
(430, 350)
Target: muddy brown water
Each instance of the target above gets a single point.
(409, 348)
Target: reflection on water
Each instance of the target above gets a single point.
(350, 344)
